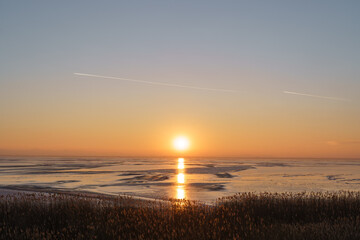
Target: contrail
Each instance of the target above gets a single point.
(156, 83)
(317, 96)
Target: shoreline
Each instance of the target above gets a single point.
(135, 201)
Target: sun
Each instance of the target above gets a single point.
(181, 143)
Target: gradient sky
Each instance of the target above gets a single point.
(258, 48)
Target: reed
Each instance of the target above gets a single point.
(242, 216)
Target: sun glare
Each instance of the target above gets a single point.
(181, 178)
(181, 143)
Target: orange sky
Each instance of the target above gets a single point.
(217, 124)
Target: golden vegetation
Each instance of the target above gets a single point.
(243, 216)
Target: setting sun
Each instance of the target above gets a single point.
(181, 143)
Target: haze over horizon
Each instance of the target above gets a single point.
(290, 71)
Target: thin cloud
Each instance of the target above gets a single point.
(156, 83)
(346, 142)
(318, 96)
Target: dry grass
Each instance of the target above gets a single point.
(243, 216)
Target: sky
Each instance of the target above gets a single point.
(292, 68)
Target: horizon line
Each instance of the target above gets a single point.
(177, 156)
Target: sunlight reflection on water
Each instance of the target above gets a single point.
(180, 190)
(181, 178)
(180, 165)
